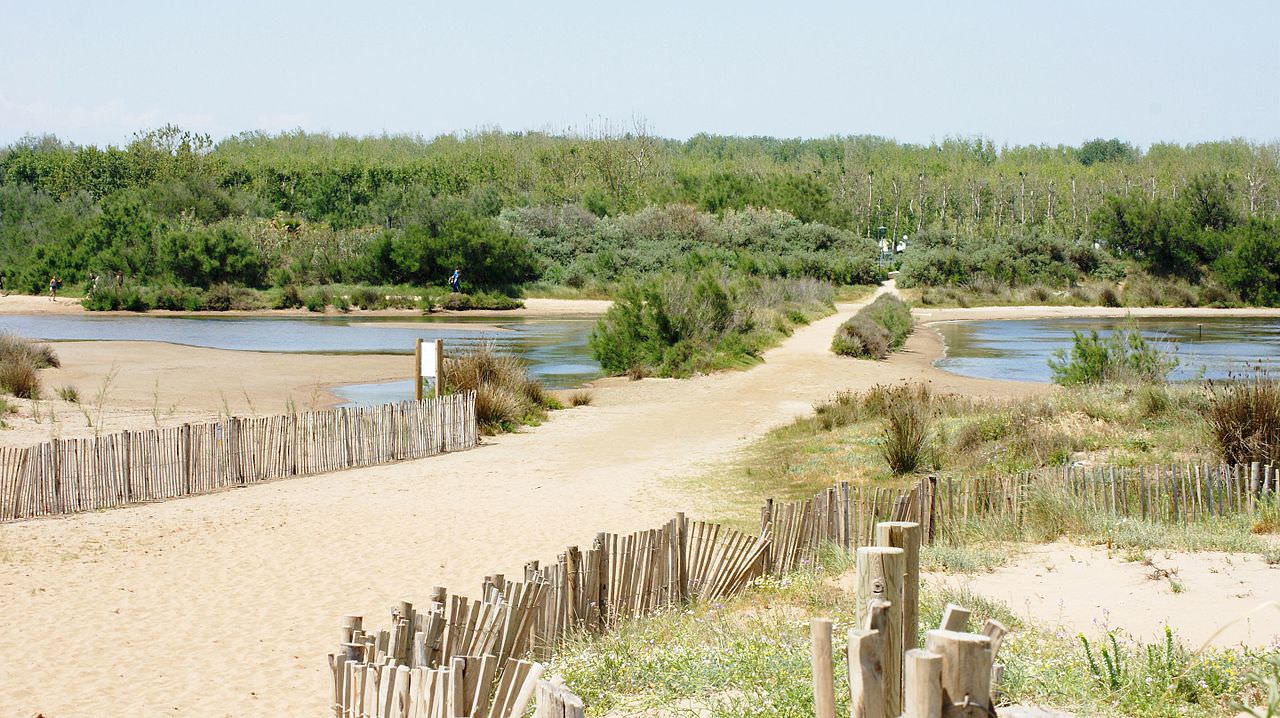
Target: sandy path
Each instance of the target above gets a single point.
(1088, 589)
(225, 605)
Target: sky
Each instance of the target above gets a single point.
(1017, 72)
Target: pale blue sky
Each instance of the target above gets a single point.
(1017, 72)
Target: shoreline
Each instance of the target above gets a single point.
(38, 305)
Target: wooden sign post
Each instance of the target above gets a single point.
(428, 363)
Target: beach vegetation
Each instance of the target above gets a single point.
(702, 319)
(875, 330)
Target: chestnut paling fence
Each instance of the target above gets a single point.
(65, 476)
(456, 656)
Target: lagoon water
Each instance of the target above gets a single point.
(556, 348)
(1019, 349)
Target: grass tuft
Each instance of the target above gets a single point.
(505, 395)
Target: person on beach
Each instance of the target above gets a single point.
(53, 288)
(455, 281)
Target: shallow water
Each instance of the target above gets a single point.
(556, 348)
(1019, 349)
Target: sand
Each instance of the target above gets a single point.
(226, 604)
(1090, 589)
(133, 385)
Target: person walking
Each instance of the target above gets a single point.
(53, 288)
(455, 281)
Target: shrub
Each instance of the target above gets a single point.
(701, 320)
(1124, 355)
(14, 347)
(505, 395)
(908, 429)
(581, 397)
(20, 376)
(177, 299)
(860, 337)
(290, 297)
(456, 302)
(875, 330)
(69, 393)
(317, 300)
(1244, 419)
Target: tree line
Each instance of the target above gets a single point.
(275, 209)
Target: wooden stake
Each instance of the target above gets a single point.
(417, 370)
(921, 684)
(906, 536)
(880, 572)
(966, 672)
(439, 368)
(824, 691)
(866, 674)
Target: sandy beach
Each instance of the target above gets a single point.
(226, 604)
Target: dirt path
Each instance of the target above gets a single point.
(225, 605)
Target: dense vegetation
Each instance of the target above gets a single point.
(1194, 246)
(172, 209)
(701, 320)
(875, 330)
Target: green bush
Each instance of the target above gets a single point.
(907, 432)
(1124, 355)
(289, 298)
(862, 338)
(876, 330)
(701, 320)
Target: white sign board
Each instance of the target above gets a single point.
(428, 368)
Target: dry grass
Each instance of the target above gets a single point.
(1244, 419)
(582, 397)
(908, 431)
(20, 363)
(505, 395)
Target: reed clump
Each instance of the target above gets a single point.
(1244, 419)
(20, 363)
(506, 397)
(909, 430)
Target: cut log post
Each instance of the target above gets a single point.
(866, 674)
(906, 536)
(824, 689)
(954, 618)
(966, 672)
(921, 684)
(880, 572)
(995, 631)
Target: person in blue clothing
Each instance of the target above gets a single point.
(455, 281)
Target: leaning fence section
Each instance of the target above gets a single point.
(65, 476)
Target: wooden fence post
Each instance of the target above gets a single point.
(921, 684)
(824, 689)
(966, 672)
(880, 572)
(906, 536)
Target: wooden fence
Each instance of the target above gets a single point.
(628, 576)
(1170, 493)
(65, 476)
(478, 644)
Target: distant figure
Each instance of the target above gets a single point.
(53, 288)
(455, 281)
(93, 285)
(1, 285)
(119, 279)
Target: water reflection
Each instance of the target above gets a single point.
(555, 347)
(1019, 349)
